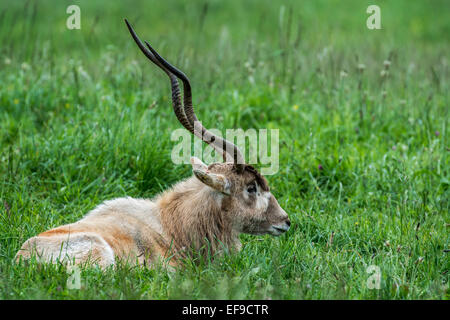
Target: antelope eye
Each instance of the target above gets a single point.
(251, 188)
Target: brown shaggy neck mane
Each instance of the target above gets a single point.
(193, 219)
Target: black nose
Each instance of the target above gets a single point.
(288, 222)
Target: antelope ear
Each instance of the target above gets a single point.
(197, 164)
(216, 181)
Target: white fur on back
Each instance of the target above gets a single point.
(142, 209)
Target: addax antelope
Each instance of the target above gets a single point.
(207, 211)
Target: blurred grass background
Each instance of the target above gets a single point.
(84, 117)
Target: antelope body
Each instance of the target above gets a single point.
(204, 213)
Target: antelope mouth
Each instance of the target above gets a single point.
(278, 230)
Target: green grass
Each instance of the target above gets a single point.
(84, 117)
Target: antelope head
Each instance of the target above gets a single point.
(245, 195)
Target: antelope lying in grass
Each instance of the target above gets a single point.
(205, 212)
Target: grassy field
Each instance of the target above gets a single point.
(84, 117)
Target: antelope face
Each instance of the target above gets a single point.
(246, 198)
(259, 211)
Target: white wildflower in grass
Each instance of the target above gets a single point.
(322, 55)
(386, 64)
(361, 67)
(25, 66)
(343, 74)
(83, 73)
(7, 61)
(133, 67)
(249, 66)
